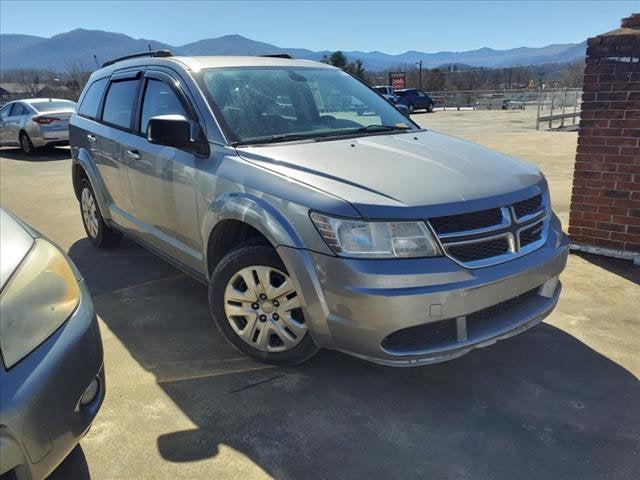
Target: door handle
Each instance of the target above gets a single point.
(91, 138)
(133, 154)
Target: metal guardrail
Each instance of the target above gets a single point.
(565, 102)
(552, 105)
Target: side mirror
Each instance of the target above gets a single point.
(403, 109)
(169, 130)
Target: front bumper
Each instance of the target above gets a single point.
(353, 305)
(41, 419)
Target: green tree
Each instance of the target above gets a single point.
(356, 69)
(338, 59)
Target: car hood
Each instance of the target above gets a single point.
(16, 242)
(403, 175)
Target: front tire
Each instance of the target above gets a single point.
(257, 308)
(411, 108)
(97, 230)
(430, 108)
(26, 144)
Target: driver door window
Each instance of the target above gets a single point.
(4, 113)
(159, 99)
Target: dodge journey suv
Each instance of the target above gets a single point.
(314, 226)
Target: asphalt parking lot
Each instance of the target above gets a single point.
(561, 401)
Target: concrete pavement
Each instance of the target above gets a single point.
(559, 401)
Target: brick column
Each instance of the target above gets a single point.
(605, 205)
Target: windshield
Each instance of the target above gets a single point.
(53, 105)
(266, 105)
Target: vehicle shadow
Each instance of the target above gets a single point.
(540, 405)
(623, 268)
(48, 154)
(74, 467)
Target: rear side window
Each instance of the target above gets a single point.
(91, 101)
(19, 109)
(159, 99)
(120, 103)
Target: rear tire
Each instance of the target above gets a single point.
(430, 108)
(101, 235)
(26, 144)
(411, 108)
(256, 307)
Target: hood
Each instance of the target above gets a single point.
(16, 242)
(403, 175)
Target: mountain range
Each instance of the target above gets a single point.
(58, 52)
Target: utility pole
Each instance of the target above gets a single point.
(419, 64)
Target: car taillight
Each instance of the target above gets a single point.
(45, 120)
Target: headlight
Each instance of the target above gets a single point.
(42, 293)
(365, 239)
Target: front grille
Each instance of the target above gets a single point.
(467, 221)
(528, 206)
(531, 234)
(421, 336)
(481, 250)
(500, 308)
(474, 239)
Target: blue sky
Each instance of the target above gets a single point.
(391, 27)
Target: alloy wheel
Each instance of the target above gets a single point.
(263, 308)
(89, 212)
(25, 143)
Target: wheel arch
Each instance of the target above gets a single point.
(235, 218)
(82, 167)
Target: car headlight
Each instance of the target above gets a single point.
(39, 297)
(371, 239)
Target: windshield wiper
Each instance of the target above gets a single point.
(285, 137)
(382, 128)
(326, 135)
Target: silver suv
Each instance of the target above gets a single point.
(314, 226)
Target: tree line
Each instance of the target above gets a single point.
(70, 82)
(457, 77)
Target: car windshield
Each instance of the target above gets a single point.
(277, 104)
(53, 105)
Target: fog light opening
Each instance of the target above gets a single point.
(90, 393)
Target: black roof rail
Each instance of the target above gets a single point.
(152, 53)
(278, 55)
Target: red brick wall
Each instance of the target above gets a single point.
(605, 205)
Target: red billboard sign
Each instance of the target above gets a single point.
(398, 80)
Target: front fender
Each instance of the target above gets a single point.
(83, 160)
(253, 211)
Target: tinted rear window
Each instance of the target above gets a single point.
(53, 105)
(119, 103)
(91, 101)
(19, 109)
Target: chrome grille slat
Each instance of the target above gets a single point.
(496, 235)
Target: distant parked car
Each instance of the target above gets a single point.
(36, 122)
(51, 370)
(415, 99)
(386, 91)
